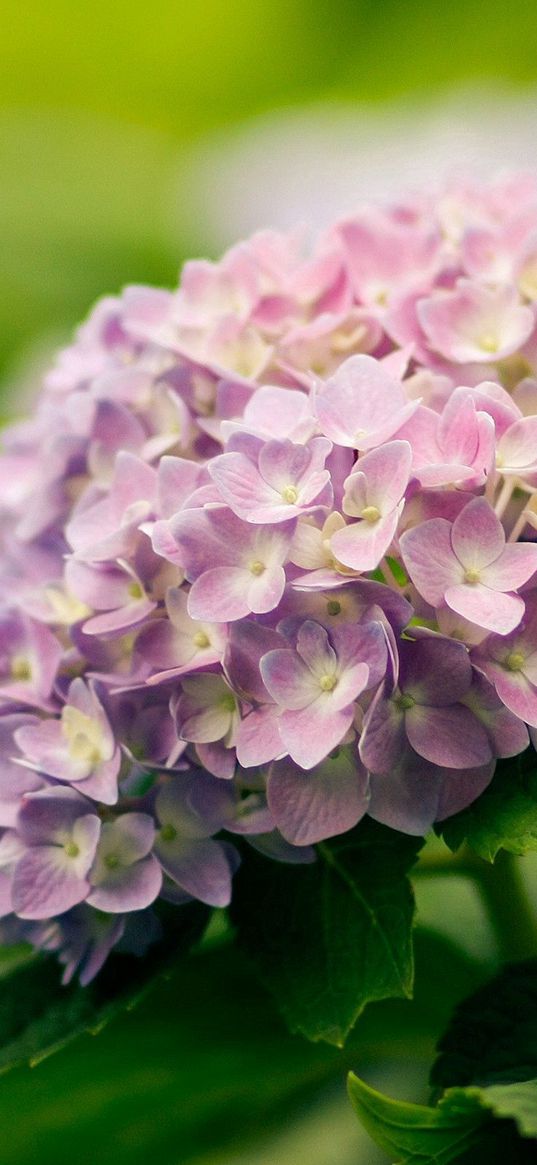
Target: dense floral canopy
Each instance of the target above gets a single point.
(267, 562)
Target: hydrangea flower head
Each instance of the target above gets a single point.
(269, 563)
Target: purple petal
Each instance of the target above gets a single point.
(199, 867)
(248, 642)
(451, 737)
(313, 646)
(362, 643)
(128, 888)
(46, 883)
(383, 740)
(435, 670)
(326, 801)
(195, 804)
(406, 798)
(287, 679)
(459, 789)
(507, 732)
(50, 814)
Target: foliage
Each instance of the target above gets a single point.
(328, 938)
(504, 816)
(486, 1072)
(39, 1016)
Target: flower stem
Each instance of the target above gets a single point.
(504, 895)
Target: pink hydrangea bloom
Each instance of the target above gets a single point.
(269, 562)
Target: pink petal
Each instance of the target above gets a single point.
(477, 535)
(258, 737)
(387, 470)
(266, 590)
(513, 568)
(517, 449)
(362, 545)
(490, 609)
(282, 463)
(361, 405)
(311, 733)
(220, 594)
(429, 558)
(515, 692)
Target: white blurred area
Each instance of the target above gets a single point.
(313, 164)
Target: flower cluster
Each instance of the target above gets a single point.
(268, 562)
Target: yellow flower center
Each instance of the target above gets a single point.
(488, 342)
(404, 702)
(168, 833)
(83, 735)
(20, 668)
(472, 575)
(201, 639)
(515, 661)
(370, 514)
(290, 494)
(327, 683)
(258, 567)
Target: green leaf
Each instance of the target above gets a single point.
(517, 1101)
(461, 1128)
(415, 1132)
(38, 1016)
(504, 816)
(492, 1036)
(328, 938)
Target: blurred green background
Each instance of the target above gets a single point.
(99, 101)
(100, 106)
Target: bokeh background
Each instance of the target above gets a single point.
(131, 136)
